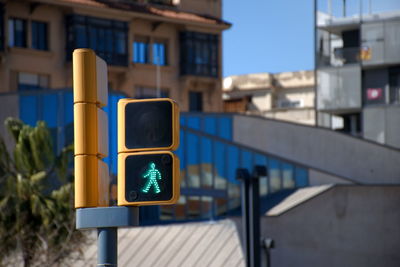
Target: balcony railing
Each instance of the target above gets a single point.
(348, 55)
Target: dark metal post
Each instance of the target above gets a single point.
(254, 221)
(107, 244)
(244, 176)
(254, 188)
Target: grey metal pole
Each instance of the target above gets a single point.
(107, 246)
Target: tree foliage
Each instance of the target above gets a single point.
(37, 220)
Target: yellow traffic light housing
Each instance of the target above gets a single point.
(90, 129)
(147, 124)
(148, 173)
(148, 178)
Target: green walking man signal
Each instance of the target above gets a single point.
(152, 175)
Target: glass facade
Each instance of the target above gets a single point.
(107, 37)
(208, 158)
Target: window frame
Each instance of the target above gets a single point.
(199, 54)
(198, 106)
(45, 37)
(113, 52)
(12, 32)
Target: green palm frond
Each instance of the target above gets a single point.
(37, 219)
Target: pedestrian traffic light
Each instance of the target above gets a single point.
(147, 124)
(148, 178)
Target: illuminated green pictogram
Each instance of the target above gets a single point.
(152, 175)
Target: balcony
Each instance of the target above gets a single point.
(339, 88)
(347, 55)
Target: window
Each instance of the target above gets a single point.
(374, 84)
(1, 26)
(149, 51)
(148, 92)
(30, 81)
(17, 32)
(394, 85)
(287, 103)
(160, 53)
(141, 50)
(39, 35)
(195, 101)
(351, 124)
(107, 37)
(199, 54)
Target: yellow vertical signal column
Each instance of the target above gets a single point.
(90, 129)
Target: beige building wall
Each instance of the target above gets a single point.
(285, 96)
(127, 79)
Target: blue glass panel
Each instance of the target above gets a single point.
(246, 160)
(180, 151)
(210, 125)
(206, 163)
(233, 184)
(193, 161)
(287, 175)
(274, 175)
(220, 164)
(233, 163)
(225, 127)
(301, 177)
(193, 122)
(112, 133)
(68, 108)
(262, 160)
(50, 109)
(28, 109)
(182, 120)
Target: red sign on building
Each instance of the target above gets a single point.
(374, 93)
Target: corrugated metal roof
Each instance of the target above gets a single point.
(191, 244)
(297, 198)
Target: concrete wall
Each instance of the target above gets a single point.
(345, 226)
(322, 149)
(382, 124)
(298, 115)
(320, 178)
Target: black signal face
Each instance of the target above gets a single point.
(148, 178)
(148, 124)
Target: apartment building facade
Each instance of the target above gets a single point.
(167, 48)
(358, 70)
(285, 96)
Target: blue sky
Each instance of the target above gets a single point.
(277, 35)
(268, 36)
